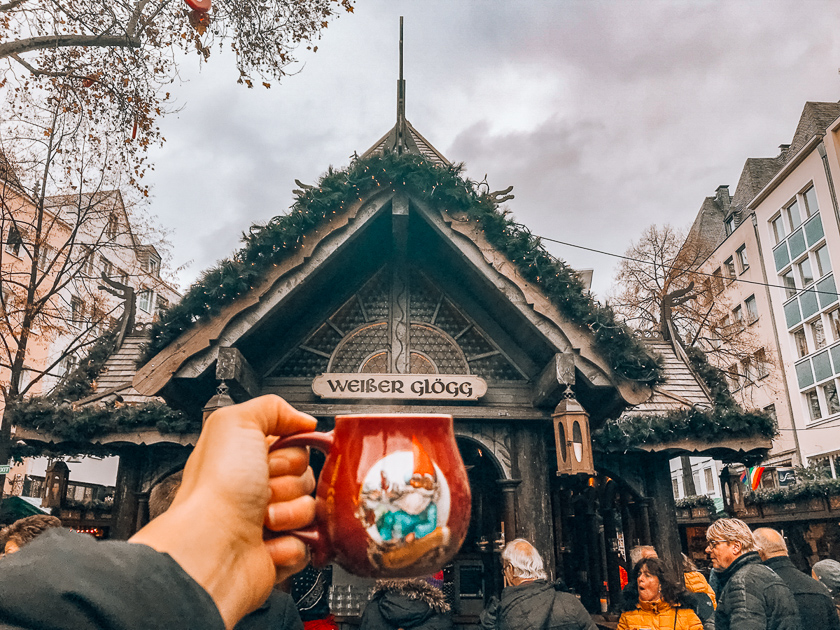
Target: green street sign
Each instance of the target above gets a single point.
(4, 470)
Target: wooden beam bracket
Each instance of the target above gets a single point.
(233, 369)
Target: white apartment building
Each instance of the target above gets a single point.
(773, 251)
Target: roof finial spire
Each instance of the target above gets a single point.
(400, 144)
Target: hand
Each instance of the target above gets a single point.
(231, 488)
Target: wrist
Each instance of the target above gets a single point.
(223, 565)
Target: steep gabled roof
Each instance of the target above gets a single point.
(757, 172)
(707, 231)
(415, 143)
(815, 119)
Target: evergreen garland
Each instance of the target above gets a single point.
(63, 422)
(697, 500)
(440, 187)
(709, 424)
(714, 378)
(79, 382)
(816, 489)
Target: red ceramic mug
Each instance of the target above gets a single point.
(393, 498)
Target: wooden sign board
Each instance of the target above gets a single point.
(403, 386)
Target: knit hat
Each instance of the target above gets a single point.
(828, 572)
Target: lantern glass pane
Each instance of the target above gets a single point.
(577, 441)
(561, 440)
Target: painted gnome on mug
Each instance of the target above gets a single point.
(402, 500)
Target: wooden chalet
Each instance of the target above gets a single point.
(392, 288)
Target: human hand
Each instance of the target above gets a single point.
(232, 486)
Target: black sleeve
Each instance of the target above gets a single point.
(68, 581)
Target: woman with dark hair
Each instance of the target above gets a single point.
(660, 600)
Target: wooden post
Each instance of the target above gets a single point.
(508, 488)
(142, 509)
(533, 498)
(663, 512)
(127, 486)
(644, 520)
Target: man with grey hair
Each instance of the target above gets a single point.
(642, 551)
(816, 608)
(529, 601)
(751, 596)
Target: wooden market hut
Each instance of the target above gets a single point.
(398, 269)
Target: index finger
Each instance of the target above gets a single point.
(275, 416)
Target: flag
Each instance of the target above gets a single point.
(752, 477)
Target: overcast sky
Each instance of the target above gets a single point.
(604, 116)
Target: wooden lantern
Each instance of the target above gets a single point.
(571, 436)
(220, 399)
(55, 484)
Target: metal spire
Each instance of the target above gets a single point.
(400, 144)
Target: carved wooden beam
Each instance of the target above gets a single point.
(234, 371)
(553, 380)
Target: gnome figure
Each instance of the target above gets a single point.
(413, 502)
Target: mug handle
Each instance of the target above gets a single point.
(312, 536)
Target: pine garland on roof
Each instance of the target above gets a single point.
(710, 425)
(440, 187)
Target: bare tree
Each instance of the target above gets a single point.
(111, 64)
(662, 275)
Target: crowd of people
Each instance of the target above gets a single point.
(203, 562)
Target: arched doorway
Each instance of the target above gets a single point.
(475, 573)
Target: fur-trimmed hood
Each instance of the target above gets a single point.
(416, 589)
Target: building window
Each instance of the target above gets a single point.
(778, 225)
(710, 481)
(834, 323)
(789, 283)
(818, 333)
(811, 205)
(823, 263)
(743, 261)
(805, 273)
(14, 241)
(717, 280)
(729, 265)
(45, 256)
(77, 310)
(749, 371)
(792, 212)
(752, 309)
(813, 402)
(734, 377)
(676, 488)
(161, 306)
(107, 267)
(113, 226)
(831, 401)
(153, 266)
(87, 261)
(729, 224)
(738, 315)
(144, 300)
(801, 343)
(761, 365)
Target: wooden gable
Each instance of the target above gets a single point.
(391, 285)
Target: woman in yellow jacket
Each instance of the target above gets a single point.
(659, 605)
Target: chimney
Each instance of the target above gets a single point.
(723, 199)
(783, 149)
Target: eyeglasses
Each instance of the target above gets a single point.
(714, 543)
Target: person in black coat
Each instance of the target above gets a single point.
(816, 608)
(409, 604)
(529, 601)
